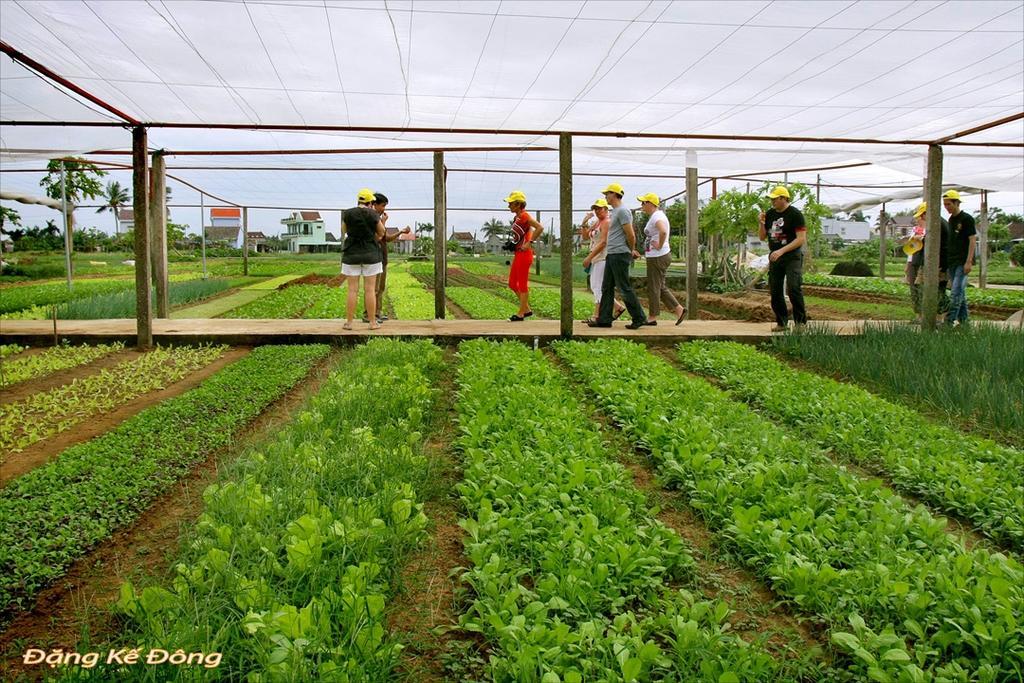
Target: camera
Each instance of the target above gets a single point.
(509, 245)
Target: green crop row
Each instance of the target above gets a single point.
(46, 413)
(974, 478)
(936, 372)
(409, 299)
(10, 349)
(897, 288)
(569, 576)
(52, 360)
(841, 548)
(480, 304)
(330, 304)
(19, 297)
(53, 515)
(122, 304)
(289, 302)
(292, 562)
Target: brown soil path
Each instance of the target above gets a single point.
(424, 611)
(43, 451)
(79, 602)
(757, 611)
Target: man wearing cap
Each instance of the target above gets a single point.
(360, 254)
(525, 229)
(619, 254)
(959, 256)
(594, 262)
(784, 228)
(658, 253)
(915, 261)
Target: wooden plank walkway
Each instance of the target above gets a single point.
(300, 331)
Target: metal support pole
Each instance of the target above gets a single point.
(983, 241)
(140, 204)
(691, 236)
(245, 240)
(67, 233)
(440, 235)
(565, 229)
(536, 251)
(817, 194)
(202, 231)
(933, 241)
(158, 232)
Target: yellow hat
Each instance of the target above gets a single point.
(779, 191)
(952, 194)
(913, 245)
(921, 208)
(365, 196)
(600, 204)
(649, 197)
(515, 196)
(614, 187)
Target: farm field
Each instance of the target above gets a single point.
(564, 513)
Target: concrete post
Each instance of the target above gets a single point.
(932, 243)
(140, 205)
(158, 232)
(565, 229)
(440, 235)
(691, 236)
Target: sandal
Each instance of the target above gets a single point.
(619, 314)
(516, 318)
(375, 327)
(527, 314)
(590, 321)
(347, 326)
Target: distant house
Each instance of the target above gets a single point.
(224, 236)
(847, 231)
(492, 245)
(225, 217)
(258, 242)
(465, 240)
(406, 243)
(898, 227)
(1016, 230)
(125, 220)
(304, 232)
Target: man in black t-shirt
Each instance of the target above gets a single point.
(959, 256)
(784, 228)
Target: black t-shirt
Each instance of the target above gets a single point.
(918, 257)
(782, 227)
(360, 247)
(961, 227)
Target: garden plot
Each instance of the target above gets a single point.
(571, 578)
(973, 478)
(901, 597)
(55, 513)
(49, 361)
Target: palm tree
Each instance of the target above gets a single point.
(115, 198)
(495, 228)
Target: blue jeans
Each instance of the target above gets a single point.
(957, 295)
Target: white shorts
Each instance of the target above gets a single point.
(365, 269)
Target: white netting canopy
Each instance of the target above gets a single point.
(518, 72)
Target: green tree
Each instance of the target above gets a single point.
(175, 232)
(494, 228)
(424, 228)
(9, 217)
(114, 199)
(81, 181)
(676, 213)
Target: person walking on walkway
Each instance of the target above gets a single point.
(658, 253)
(959, 256)
(619, 255)
(784, 228)
(360, 255)
(380, 205)
(595, 225)
(525, 229)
